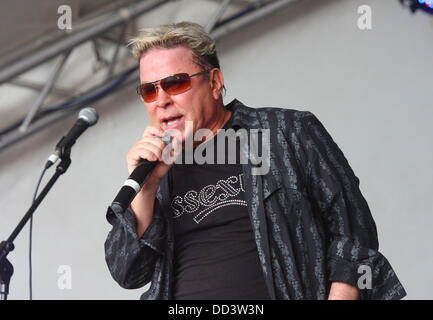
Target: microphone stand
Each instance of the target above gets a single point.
(6, 268)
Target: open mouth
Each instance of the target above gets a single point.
(171, 122)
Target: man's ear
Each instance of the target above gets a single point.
(217, 82)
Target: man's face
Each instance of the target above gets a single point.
(198, 104)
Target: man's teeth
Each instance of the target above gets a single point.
(171, 122)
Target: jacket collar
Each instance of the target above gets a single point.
(243, 116)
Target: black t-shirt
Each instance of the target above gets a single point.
(216, 255)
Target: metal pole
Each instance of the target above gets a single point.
(16, 136)
(116, 52)
(75, 39)
(39, 86)
(257, 14)
(45, 91)
(212, 22)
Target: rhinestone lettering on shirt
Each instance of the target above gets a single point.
(210, 198)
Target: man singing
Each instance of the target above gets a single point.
(299, 230)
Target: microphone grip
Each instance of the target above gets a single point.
(73, 134)
(133, 184)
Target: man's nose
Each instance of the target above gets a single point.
(163, 99)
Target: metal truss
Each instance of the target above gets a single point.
(109, 27)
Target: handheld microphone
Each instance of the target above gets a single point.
(136, 180)
(86, 118)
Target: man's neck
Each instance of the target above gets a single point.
(222, 117)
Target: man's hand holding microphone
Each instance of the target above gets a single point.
(153, 147)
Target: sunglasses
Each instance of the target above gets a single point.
(174, 84)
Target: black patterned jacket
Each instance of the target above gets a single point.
(311, 223)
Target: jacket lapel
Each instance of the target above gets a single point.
(254, 196)
(256, 190)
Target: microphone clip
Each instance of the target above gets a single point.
(63, 152)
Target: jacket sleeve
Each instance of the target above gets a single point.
(131, 260)
(352, 251)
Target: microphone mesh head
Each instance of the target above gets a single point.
(89, 115)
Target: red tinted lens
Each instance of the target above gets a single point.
(176, 84)
(148, 92)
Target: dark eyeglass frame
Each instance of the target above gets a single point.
(160, 83)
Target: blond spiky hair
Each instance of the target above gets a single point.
(186, 34)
